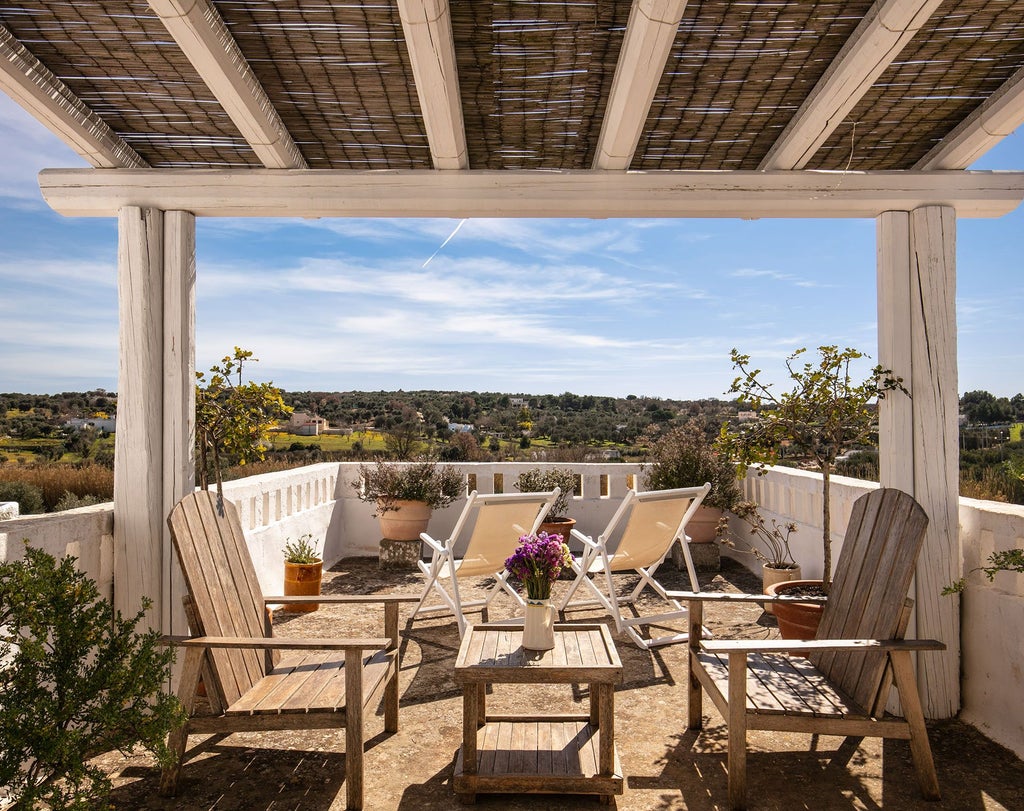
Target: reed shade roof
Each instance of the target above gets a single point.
(534, 80)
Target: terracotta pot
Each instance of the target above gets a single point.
(701, 528)
(771, 575)
(302, 580)
(796, 620)
(405, 523)
(562, 527)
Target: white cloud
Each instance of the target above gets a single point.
(27, 146)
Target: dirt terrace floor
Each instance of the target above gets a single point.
(665, 766)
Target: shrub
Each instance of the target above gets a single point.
(540, 481)
(385, 483)
(684, 457)
(54, 480)
(69, 501)
(76, 680)
(28, 496)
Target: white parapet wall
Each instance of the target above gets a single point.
(86, 533)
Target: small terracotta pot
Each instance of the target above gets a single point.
(796, 620)
(302, 580)
(563, 528)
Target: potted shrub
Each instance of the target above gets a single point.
(556, 522)
(684, 457)
(303, 570)
(406, 493)
(772, 547)
(825, 414)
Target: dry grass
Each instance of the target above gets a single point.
(54, 480)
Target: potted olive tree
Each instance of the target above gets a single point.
(823, 415)
(542, 481)
(685, 457)
(406, 493)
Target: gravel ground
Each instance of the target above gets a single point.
(665, 766)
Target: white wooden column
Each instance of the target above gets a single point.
(918, 446)
(155, 410)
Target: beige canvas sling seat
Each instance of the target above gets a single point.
(254, 681)
(838, 683)
(493, 524)
(654, 520)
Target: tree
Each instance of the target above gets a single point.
(824, 415)
(232, 417)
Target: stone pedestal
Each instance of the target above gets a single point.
(399, 555)
(707, 557)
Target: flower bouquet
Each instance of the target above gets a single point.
(536, 563)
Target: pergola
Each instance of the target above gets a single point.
(567, 108)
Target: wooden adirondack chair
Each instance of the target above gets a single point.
(322, 683)
(843, 684)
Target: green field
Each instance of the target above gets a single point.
(370, 440)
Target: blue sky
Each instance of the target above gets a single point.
(607, 307)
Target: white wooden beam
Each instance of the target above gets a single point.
(887, 27)
(205, 40)
(646, 46)
(428, 35)
(472, 193)
(30, 83)
(995, 118)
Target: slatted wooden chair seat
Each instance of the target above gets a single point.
(839, 682)
(254, 681)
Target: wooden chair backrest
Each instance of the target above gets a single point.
(500, 521)
(225, 592)
(872, 578)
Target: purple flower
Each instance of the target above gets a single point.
(537, 562)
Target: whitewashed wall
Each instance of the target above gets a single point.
(87, 533)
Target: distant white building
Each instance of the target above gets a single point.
(746, 416)
(461, 427)
(305, 424)
(99, 423)
(517, 402)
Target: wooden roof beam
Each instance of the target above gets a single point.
(30, 83)
(995, 118)
(885, 30)
(428, 35)
(205, 40)
(509, 193)
(648, 40)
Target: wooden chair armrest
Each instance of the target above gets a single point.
(342, 598)
(804, 646)
(729, 597)
(279, 643)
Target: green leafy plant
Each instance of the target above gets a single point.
(28, 496)
(684, 457)
(301, 550)
(543, 481)
(773, 536)
(385, 483)
(825, 414)
(76, 680)
(232, 417)
(1008, 560)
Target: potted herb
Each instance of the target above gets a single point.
(303, 570)
(406, 493)
(825, 414)
(544, 481)
(685, 457)
(769, 544)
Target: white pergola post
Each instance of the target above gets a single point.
(155, 414)
(918, 445)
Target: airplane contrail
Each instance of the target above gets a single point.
(452, 234)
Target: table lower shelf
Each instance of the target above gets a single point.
(538, 756)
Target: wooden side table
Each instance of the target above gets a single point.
(568, 754)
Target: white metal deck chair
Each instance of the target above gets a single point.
(501, 519)
(655, 520)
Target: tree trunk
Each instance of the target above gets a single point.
(826, 523)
